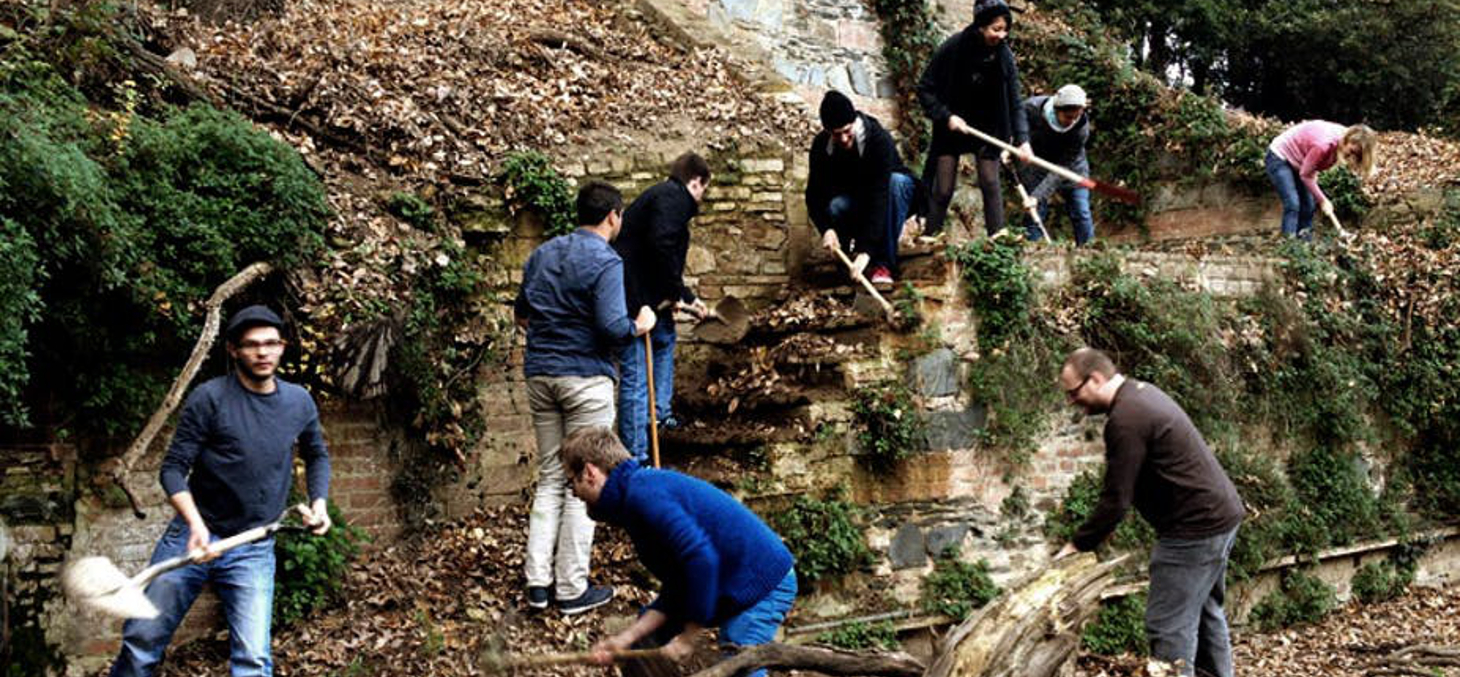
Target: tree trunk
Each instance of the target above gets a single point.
(1033, 627)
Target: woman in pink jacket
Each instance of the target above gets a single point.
(1298, 154)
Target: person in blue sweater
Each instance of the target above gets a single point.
(718, 563)
(228, 469)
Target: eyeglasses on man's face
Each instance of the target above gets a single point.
(1074, 392)
(265, 346)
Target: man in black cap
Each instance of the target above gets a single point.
(229, 469)
(858, 193)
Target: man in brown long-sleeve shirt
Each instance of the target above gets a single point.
(1157, 460)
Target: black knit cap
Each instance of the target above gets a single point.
(250, 317)
(985, 11)
(837, 110)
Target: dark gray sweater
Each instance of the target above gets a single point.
(234, 450)
(1156, 459)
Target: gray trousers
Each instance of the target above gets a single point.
(559, 531)
(1184, 617)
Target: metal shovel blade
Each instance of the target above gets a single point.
(726, 324)
(97, 584)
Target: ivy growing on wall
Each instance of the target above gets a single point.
(909, 36)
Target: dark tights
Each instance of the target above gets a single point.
(941, 175)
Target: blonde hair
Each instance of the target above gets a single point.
(597, 445)
(1367, 141)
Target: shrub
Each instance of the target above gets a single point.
(531, 182)
(1000, 288)
(311, 569)
(824, 537)
(1075, 507)
(140, 217)
(858, 635)
(956, 588)
(1334, 496)
(1119, 628)
(1300, 599)
(890, 428)
(1378, 581)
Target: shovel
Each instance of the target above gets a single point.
(725, 324)
(1024, 197)
(856, 270)
(96, 583)
(1342, 234)
(1125, 195)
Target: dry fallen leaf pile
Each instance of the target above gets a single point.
(441, 87)
(1347, 642)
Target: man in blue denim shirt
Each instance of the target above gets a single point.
(228, 470)
(572, 304)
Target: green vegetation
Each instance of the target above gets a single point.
(909, 37)
(530, 182)
(824, 536)
(109, 247)
(1119, 628)
(1301, 598)
(956, 588)
(1295, 60)
(889, 427)
(1377, 581)
(858, 635)
(1019, 353)
(1075, 507)
(311, 570)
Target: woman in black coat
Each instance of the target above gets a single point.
(972, 81)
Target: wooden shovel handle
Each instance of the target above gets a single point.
(866, 284)
(576, 658)
(1024, 196)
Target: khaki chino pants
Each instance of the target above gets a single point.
(559, 531)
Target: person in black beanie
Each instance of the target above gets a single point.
(859, 192)
(972, 81)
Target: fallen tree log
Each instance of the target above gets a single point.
(1033, 627)
(1421, 660)
(820, 659)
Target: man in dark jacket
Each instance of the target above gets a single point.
(1157, 460)
(572, 305)
(1058, 131)
(858, 192)
(654, 244)
(718, 563)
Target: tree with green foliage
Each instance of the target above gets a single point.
(118, 223)
(1393, 65)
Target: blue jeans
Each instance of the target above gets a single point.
(753, 626)
(1077, 207)
(243, 578)
(880, 247)
(1298, 204)
(633, 387)
(758, 624)
(1184, 616)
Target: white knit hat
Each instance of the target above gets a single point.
(1069, 95)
